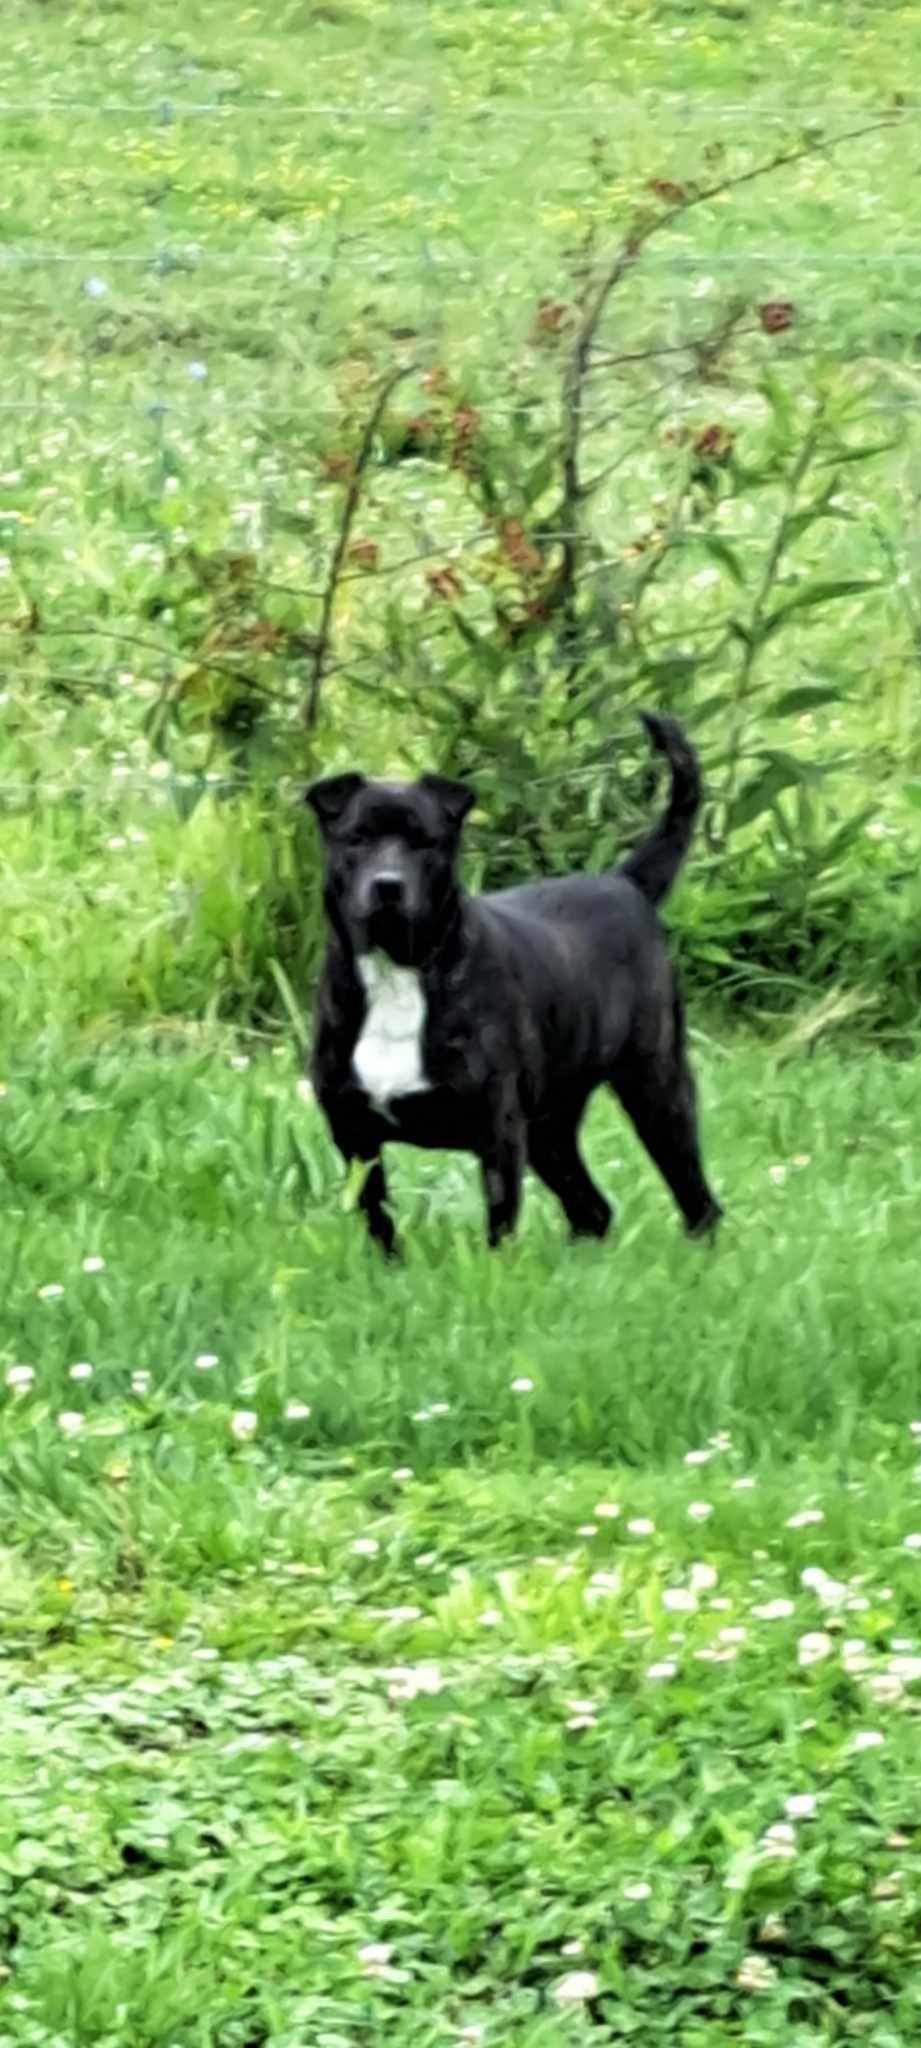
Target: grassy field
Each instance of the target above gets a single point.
(520, 1650)
(396, 1653)
(219, 233)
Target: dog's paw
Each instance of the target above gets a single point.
(705, 1229)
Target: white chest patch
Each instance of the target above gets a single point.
(388, 1055)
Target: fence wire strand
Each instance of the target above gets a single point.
(442, 265)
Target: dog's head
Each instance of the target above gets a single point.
(391, 853)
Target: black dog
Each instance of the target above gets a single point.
(483, 1024)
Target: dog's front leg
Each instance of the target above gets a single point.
(502, 1161)
(373, 1202)
(359, 1140)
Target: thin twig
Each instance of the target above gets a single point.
(754, 635)
(602, 361)
(220, 668)
(577, 368)
(448, 551)
(325, 279)
(349, 509)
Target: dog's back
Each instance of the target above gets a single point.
(587, 950)
(586, 959)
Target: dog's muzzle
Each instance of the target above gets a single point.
(387, 891)
(384, 909)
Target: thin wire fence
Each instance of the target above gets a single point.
(703, 108)
(88, 387)
(154, 262)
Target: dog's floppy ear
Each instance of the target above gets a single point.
(455, 799)
(328, 799)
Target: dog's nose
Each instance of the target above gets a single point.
(387, 891)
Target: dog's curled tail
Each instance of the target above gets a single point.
(653, 865)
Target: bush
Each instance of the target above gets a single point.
(719, 565)
(484, 563)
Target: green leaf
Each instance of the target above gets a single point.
(662, 678)
(815, 595)
(737, 1877)
(719, 956)
(806, 697)
(827, 855)
(720, 552)
(539, 478)
(591, 698)
(356, 1175)
(864, 454)
(783, 413)
(796, 767)
(187, 793)
(912, 790)
(495, 659)
(296, 1016)
(709, 707)
(822, 507)
(759, 794)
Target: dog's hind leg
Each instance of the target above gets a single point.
(502, 1173)
(660, 1100)
(553, 1153)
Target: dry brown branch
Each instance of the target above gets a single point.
(349, 509)
(578, 365)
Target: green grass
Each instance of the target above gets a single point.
(258, 259)
(218, 232)
(298, 1639)
(339, 1705)
(165, 1161)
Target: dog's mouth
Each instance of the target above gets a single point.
(392, 932)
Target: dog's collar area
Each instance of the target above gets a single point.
(430, 954)
(382, 976)
(388, 935)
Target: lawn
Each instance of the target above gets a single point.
(518, 1650)
(219, 235)
(395, 1652)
